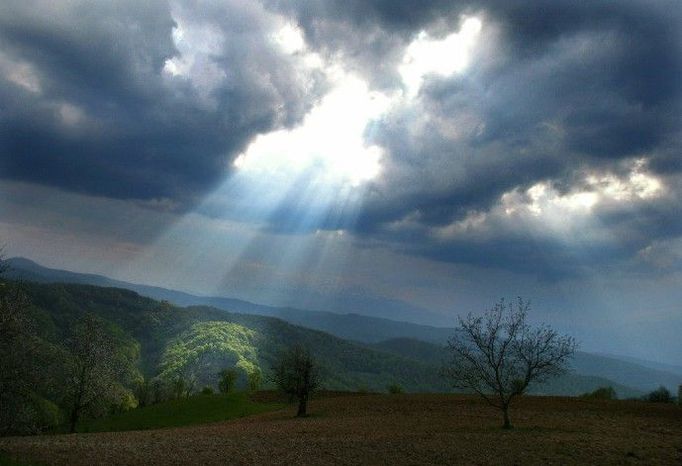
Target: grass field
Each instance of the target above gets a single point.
(198, 409)
(391, 429)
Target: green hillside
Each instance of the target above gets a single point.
(350, 326)
(415, 342)
(171, 352)
(171, 338)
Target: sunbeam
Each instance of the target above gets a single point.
(293, 194)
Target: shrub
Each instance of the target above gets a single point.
(660, 395)
(28, 414)
(395, 389)
(207, 391)
(602, 393)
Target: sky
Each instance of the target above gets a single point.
(409, 159)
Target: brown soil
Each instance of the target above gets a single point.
(398, 429)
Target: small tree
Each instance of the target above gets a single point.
(660, 395)
(395, 389)
(601, 393)
(296, 374)
(228, 379)
(498, 354)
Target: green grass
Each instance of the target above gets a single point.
(198, 409)
(7, 460)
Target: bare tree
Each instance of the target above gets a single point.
(96, 369)
(498, 354)
(297, 375)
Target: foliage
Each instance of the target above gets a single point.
(228, 379)
(660, 395)
(197, 355)
(95, 371)
(174, 413)
(297, 374)
(498, 354)
(143, 330)
(395, 389)
(24, 358)
(151, 329)
(207, 391)
(142, 388)
(601, 393)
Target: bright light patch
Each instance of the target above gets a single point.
(442, 57)
(542, 200)
(329, 146)
(638, 185)
(20, 73)
(290, 39)
(70, 115)
(198, 44)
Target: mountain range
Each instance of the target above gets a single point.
(419, 349)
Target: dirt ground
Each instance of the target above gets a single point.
(391, 429)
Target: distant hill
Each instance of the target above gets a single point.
(672, 368)
(626, 372)
(627, 378)
(171, 338)
(350, 326)
(417, 343)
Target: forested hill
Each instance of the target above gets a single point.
(171, 338)
(351, 325)
(201, 341)
(628, 378)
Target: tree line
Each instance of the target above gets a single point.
(93, 369)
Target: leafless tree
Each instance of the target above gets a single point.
(498, 354)
(297, 375)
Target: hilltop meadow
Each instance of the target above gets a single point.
(387, 429)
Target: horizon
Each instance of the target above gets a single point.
(427, 157)
(665, 365)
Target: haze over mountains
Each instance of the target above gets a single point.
(423, 345)
(350, 325)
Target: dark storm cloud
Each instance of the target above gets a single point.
(569, 88)
(94, 111)
(555, 91)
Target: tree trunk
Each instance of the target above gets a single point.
(507, 423)
(302, 406)
(74, 419)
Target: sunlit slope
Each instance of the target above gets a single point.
(170, 337)
(205, 340)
